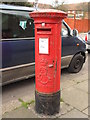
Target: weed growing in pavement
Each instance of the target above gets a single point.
(25, 104)
(78, 82)
(6, 113)
(61, 100)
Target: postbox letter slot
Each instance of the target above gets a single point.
(43, 30)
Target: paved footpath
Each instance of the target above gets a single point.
(74, 94)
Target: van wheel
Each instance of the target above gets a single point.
(76, 63)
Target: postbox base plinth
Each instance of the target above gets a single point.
(48, 104)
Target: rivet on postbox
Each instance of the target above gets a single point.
(47, 60)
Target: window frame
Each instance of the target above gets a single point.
(17, 13)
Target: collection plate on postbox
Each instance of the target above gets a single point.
(43, 46)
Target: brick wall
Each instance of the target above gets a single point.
(82, 25)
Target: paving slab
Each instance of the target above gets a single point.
(85, 111)
(65, 84)
(65, 108)
(82, 86)
(75, 98)
(77, 77)
(21, 113)
(74, 114)
(7, 107)
(81, 78)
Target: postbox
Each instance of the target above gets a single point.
(47, 60)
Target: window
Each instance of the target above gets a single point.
(16, 26)
(64, 31)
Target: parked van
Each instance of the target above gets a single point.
(18, 44)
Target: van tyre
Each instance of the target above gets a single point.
(76, 63)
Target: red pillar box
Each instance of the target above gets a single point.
(47, 59)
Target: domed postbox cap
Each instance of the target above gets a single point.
(51, 13)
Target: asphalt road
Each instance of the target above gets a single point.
(24, 88)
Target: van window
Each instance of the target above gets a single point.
(64, 31)
(15, 26)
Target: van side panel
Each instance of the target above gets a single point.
(18, 58)
(17, 52)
